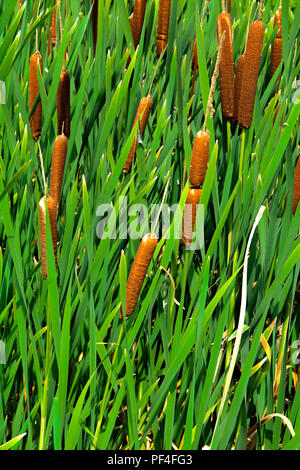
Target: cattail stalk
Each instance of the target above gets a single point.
(163, 25)
(296, 191)
(36, 117)
(199, 159)
(250, 73)
(137, 20)
(63, 104)
(53, 225)
(138, 272)
(142, 115)
(190, 214)
(226, 66)
(57, 167)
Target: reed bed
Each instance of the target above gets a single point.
(201, 330)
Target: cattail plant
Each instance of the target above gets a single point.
(137, 20)
(238, 85)
(95, 22)
(63, 103)
(296, 191)
(57, 167)
(199, 159)
(53, 225)
(163, 25)
(138, 272)
(250, 73)
(226, 66)
(276, 52)
(190, 214)
(229, 6)
(142, 115)
(36, 117)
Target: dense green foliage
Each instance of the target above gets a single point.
(78, 377)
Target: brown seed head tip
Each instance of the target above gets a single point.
(226, 66)
(52, 219)
(138, 271)
(250, 73)
(190, 214)
(296, 191)
(199, 159)
(57, 167)
(36, 117)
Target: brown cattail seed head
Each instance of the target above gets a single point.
(36, 118)
(57, 167)
(200, 155)
(163, 25)
(142, 114)
(296, 192)
(63, 104)
(278, 23)
(95, 22)
(137, 20)
(276, 55)
(228, 6)
(250, 73)
(138, 271)
(53, 226)
(53, 34)
(194, 56)
(238, 85)
(226, 66)
(190, 214)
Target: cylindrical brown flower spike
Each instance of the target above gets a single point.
(63, 104)
(228, 6)
(200, 155)
(250, 73)
(137, 20)
(278, 23)
(53, 34)
(276, 52)
(238, 85)
(36, 118)
(142, 114)
(138, 272)
(226, 66)
(190, 214)
(53, 226)
(163, 25)
(296, 192)
(57, 167)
